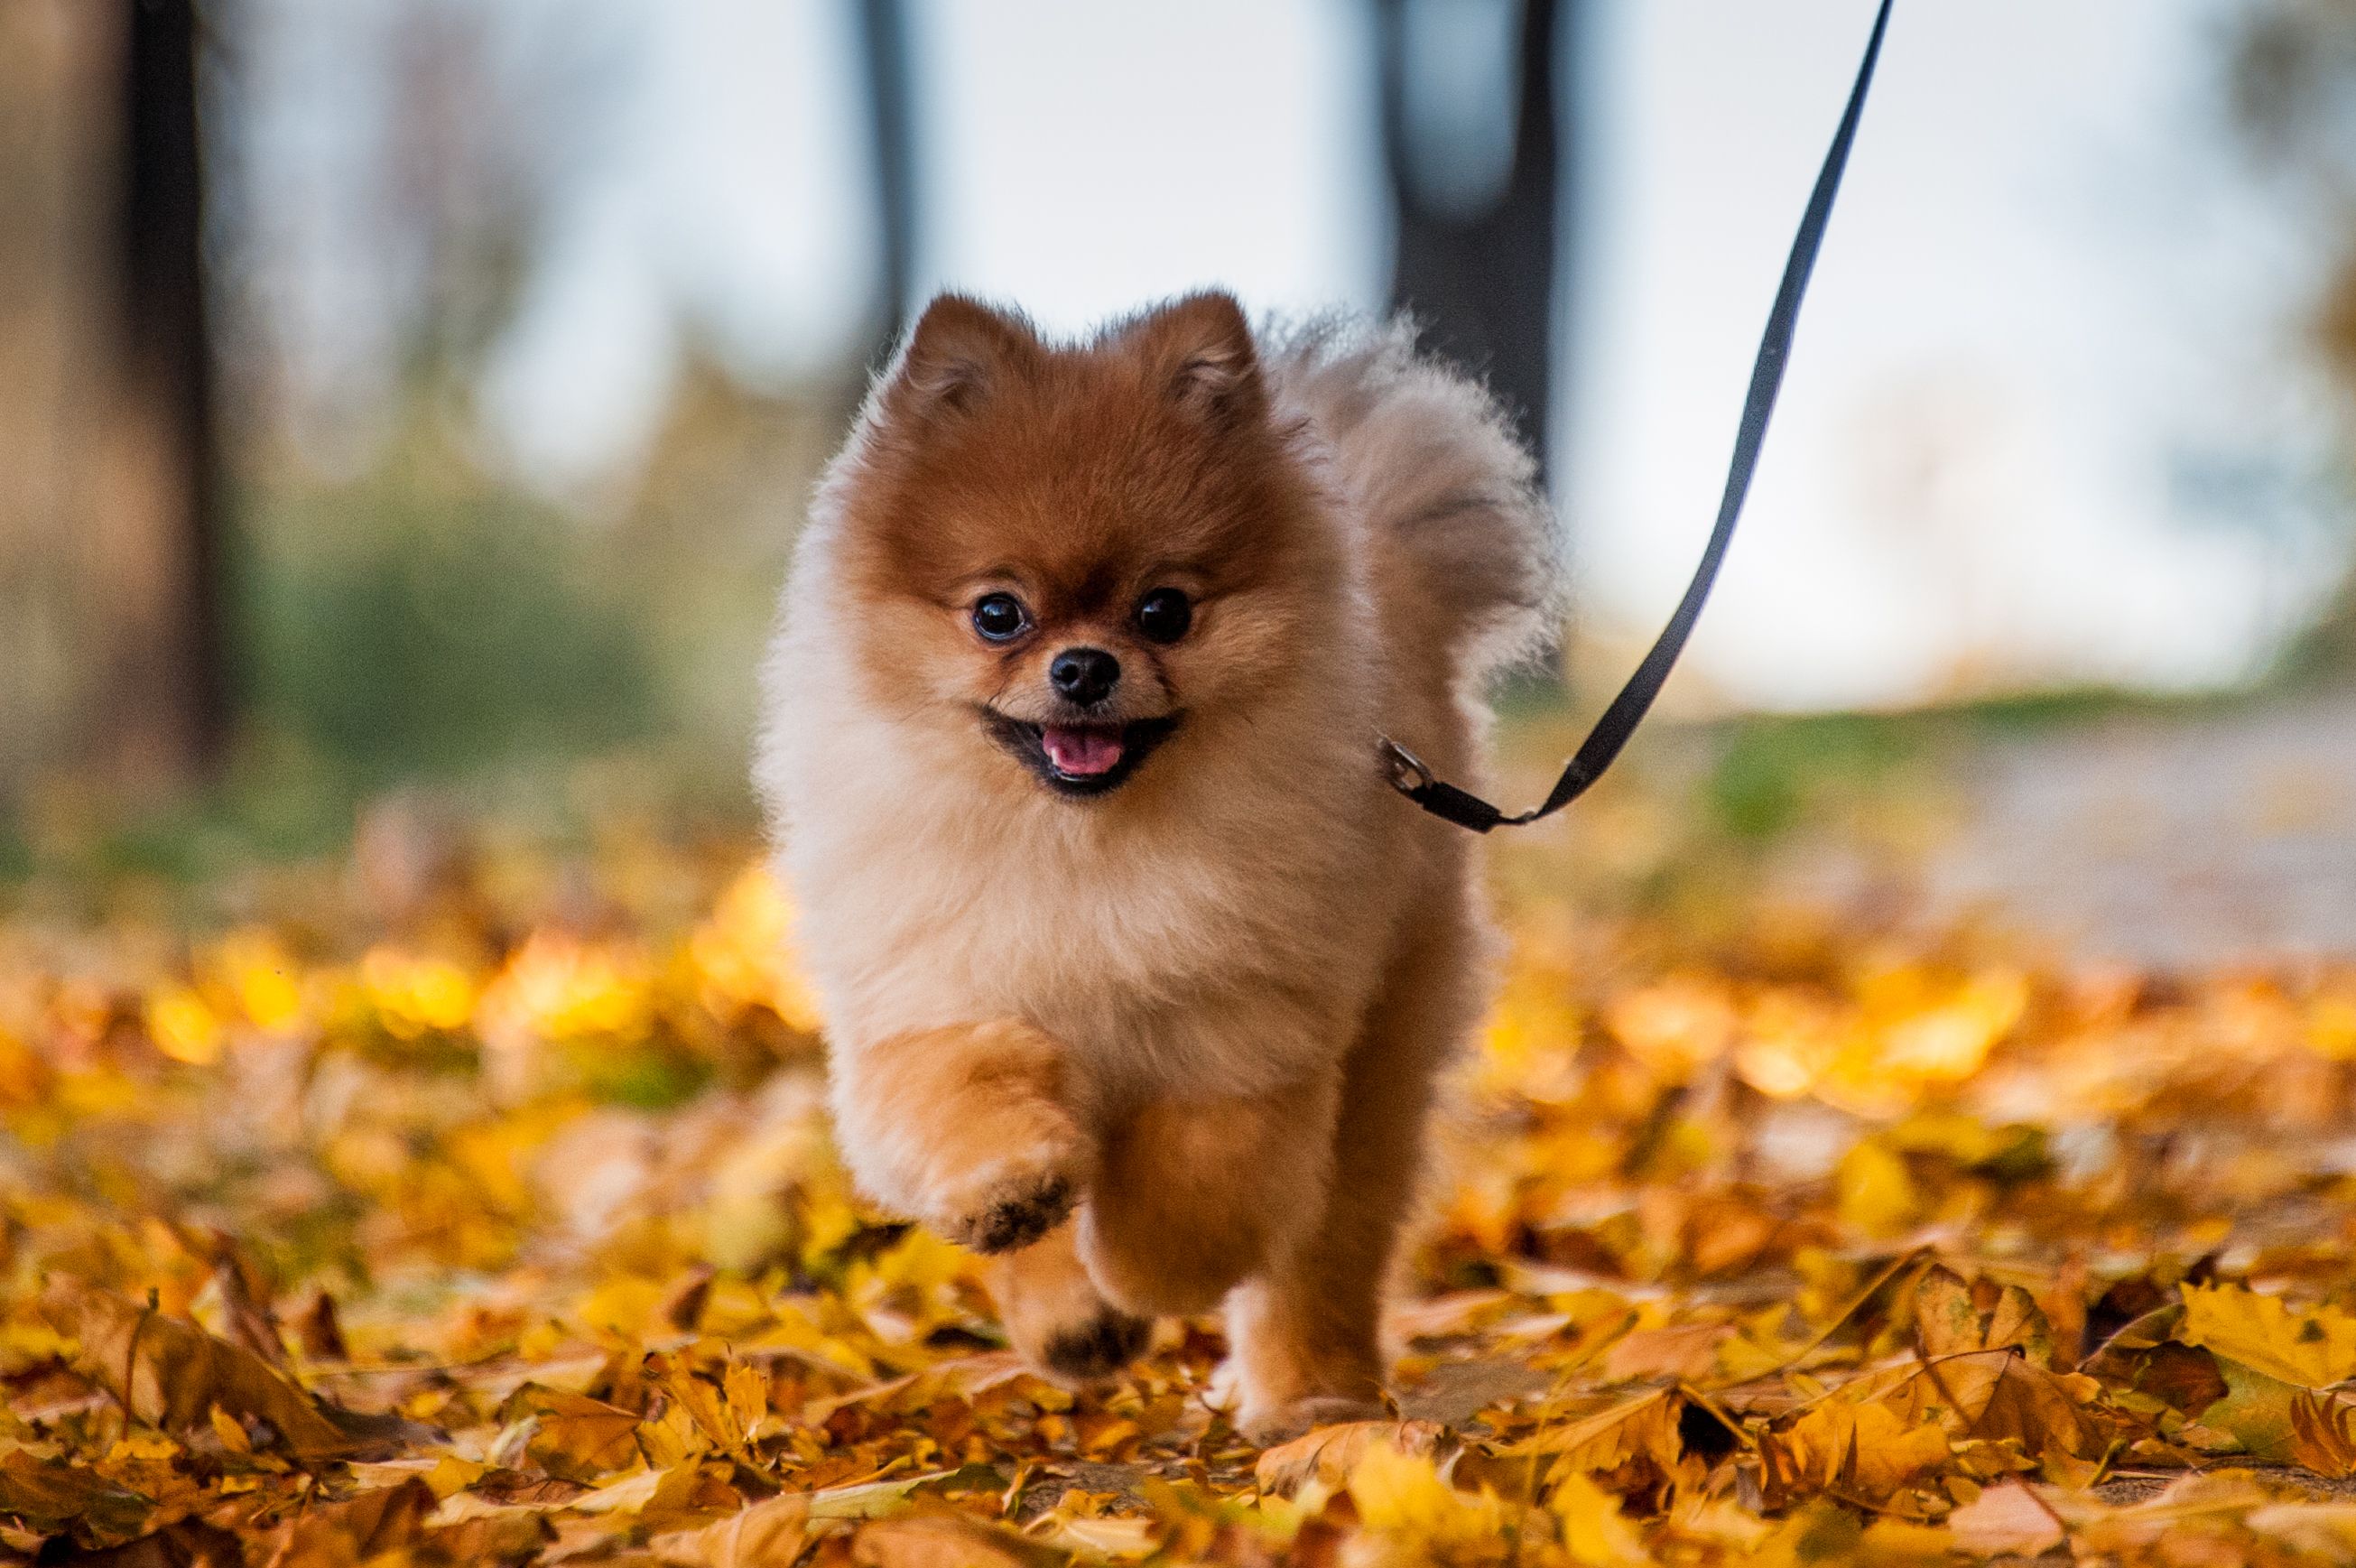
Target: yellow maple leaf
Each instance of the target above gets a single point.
(2312, 1349)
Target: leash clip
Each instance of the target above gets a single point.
(1418, 782)
(1408, 775)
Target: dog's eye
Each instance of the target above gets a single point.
(1001, 616)
(1165, 615)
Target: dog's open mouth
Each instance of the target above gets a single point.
(1080, 758)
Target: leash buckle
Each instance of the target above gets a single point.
(1408, 775)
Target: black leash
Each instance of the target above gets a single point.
(1410, 777)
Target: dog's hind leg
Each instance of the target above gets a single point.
(1191, 1196)
(1306, 1332)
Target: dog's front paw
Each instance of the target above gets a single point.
(1008, 1209)
(1056, 1319)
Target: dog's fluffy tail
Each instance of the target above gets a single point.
(1467, 557)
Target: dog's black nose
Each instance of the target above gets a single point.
(1084, 675)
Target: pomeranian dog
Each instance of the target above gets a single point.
(1138, 974)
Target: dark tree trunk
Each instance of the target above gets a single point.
(171, 701)
(1483, 280)
(891, 91)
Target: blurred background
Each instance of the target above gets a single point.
(418, 395)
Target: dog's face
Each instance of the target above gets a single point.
(1074, 555)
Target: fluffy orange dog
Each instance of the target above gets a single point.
(1137, 974)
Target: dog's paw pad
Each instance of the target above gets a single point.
(1097, 1347)
(1016, 1216)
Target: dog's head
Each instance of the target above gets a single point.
(1076, 553)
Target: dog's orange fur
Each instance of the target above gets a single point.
(1175, 1044)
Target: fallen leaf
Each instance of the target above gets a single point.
(939, 1542)
(1877, 1194)
(1328, 1453)
(1864, 1453)
(762, 1536)
(1594, 1532)
(2310, 1350)
(1993, 1395)
(369, 1525)
(251, 1322)
(48, 1494)
(508, 1538)
(1690, 1351)
(2256, 1412)
(320, 1331)
(191, 1543)
(869, 1499)
(171, 1374)
(2323, 1433)
(2326, 1530)
(2006, 1519)
(1119, 1537)
(1951, 1316)
(573, 1438)
(1644, 1426)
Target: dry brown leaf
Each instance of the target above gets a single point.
(2190, 1511)
(250, 1320)
(1862, 1453)
(939, 1541)
(573, 1438)
(1993, 1395)
(506, 1539)
(2323, 1433)
(320, 1330)
(333, 1535)
(766, 1535)
(1953, 1318)
(1690, 1351)
(191, 1543)
(1329, 1454)
(1452, 1313)
(48, 1494)
(1114, 1537)
(1644, 1428)
(682, 1305)
(171, 1374)
(724, 1410)
(870, 1500)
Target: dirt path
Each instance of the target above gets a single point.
(2166, 842)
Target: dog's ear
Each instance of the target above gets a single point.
(958, 349)
(1201, 347)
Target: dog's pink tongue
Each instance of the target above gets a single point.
(1082, 752)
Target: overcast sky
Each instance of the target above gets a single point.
(2044, 420)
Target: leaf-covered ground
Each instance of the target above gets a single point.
(478, 1207)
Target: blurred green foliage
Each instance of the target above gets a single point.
(1770, 772)
(393, 627)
